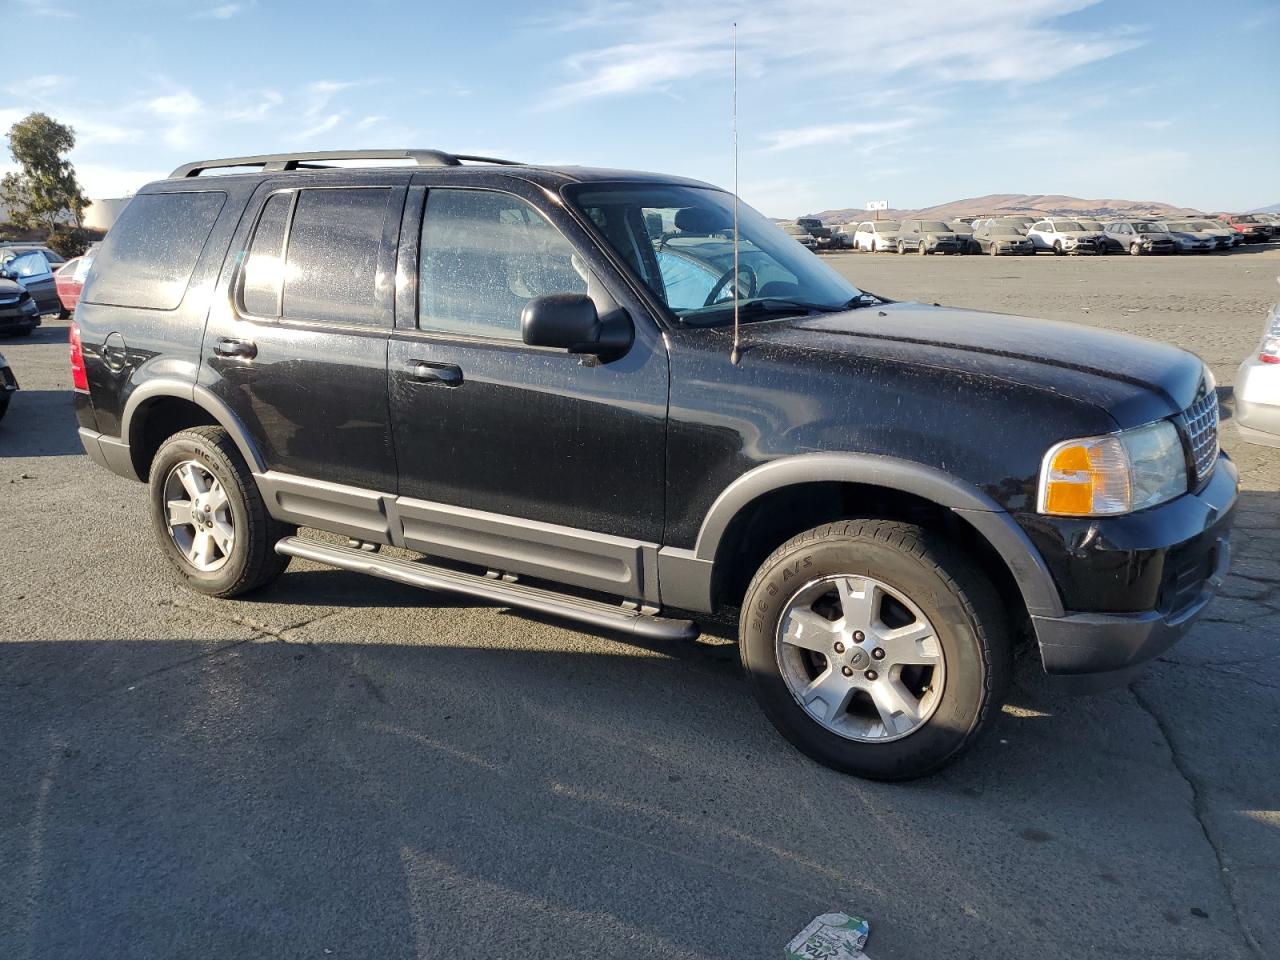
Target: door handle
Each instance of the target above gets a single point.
(445, 374)
(231, 347)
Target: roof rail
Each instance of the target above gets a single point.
(319, 159)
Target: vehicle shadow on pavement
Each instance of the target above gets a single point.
(40, 423)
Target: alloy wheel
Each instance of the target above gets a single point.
(860, 658)
(198, 515)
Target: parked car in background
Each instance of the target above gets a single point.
(800, 235)
(31, 268)
(1257, 390)
(1063, 236)
(1251, 227)
(820, 232)
(8, 385)
(964, 232)
(1000, 237)
(70, 278)
(927, 236)
(876, 236)
(1224, 237)
(53, 256)
(19, 314)
(1187, 239)
(1139, 237)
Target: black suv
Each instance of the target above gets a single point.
(533, 378)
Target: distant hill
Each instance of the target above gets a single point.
(1032, 204)
(1274, 208)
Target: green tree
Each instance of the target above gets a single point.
(44, 189)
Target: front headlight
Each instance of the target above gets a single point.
(1115, 474)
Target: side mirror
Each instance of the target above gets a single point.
(569, 321)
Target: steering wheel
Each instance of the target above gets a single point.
(726, 278)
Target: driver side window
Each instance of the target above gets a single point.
(484, 256)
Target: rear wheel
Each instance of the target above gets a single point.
(1135, 250)
(995, 249)
(875, 647)
(209, 516)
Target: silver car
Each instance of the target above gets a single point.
(1187, 239)
(1257, 390)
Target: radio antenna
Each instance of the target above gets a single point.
(735, 355)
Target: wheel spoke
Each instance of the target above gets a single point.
(898, 708)
(223, 535)
(914, 644)
(832, 690)
(191, 481)
(859, 602)
(807, 629)
(179, 513)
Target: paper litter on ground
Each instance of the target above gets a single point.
(832, 936)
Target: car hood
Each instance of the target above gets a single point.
(1134, 380)
(10, 287)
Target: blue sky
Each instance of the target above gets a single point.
(840, 101)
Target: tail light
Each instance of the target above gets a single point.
(1270, 350)
(79, 378)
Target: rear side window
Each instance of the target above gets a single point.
(484, 256)
(151, 250)
(263, 272)
(332, 260)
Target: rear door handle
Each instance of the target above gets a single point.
(231, 347)
(445, 374)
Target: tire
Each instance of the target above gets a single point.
(251, 562)
(1135, 250)
(1057, 248)
(901, 248)
(873, 249)
(64, 313)
(4, 404)
(922, 248)
(967, 635)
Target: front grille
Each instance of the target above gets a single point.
(1201, 419)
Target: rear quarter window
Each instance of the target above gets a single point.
(151, 251)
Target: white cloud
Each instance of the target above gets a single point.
(183, 103)
(838, 133)
(224, 12)
(672, 43)
(100, 181)
(373, 121)
(39, 86)
(323, 125)
(47, 8)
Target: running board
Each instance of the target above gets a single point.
(606, 616)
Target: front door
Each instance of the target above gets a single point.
(33, 271)
(556, 460)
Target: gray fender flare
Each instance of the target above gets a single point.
(202, 397)
(986, 516)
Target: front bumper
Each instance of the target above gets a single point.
(17, 317)
(8, 382)
(1150, 576)
(941, 246)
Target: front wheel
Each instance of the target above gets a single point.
(209, 517)
(922, 248)
(875, 646)
(1135, 250)
(902, 248)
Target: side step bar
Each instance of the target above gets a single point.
(593, 612)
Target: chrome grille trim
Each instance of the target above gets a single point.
(1201, 419)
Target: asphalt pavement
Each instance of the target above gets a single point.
(342, 767)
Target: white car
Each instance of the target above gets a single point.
(1063, 236)
(875, 236)
(1257, 390)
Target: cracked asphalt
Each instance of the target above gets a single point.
(342, 767)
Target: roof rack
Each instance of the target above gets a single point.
(319, 160)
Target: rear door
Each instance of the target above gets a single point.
(298, 349)
(557, 460)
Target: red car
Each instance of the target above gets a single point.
(69, 280)
(1252, 229)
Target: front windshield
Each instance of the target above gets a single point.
(1182, 226)
(1090, 224)
(1206, 225)
(679, 242)
(1068, 226)
(934, 226)
(1007, 226)
(885, 226)
(961, 228)
(1149, 228)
